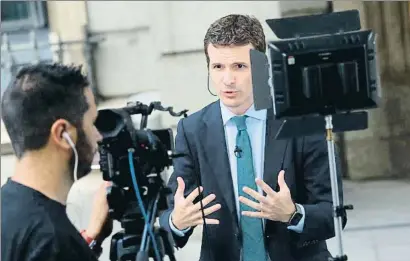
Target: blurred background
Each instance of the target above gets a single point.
(153, 51)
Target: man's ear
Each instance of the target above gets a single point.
(56, 134)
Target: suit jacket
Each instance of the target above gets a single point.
(201, 138)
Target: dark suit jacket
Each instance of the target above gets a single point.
(201, 137)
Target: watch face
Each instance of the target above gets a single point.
(296, 218)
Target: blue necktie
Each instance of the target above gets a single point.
(252, 230)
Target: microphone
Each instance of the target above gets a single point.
(238, 152)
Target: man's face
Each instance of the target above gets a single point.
(230, 74)
(87, 139)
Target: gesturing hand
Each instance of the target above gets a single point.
(187, 214)
(276, 206)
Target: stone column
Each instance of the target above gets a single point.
(67, 19)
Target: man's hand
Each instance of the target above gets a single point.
(99, 214)
(186, 214)
(276, 206)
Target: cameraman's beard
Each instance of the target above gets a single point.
(85, 156)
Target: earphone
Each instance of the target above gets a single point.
(66, 136)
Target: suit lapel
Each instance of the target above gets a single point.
(274, 151)
(214, 144)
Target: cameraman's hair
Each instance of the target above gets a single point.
(237, 30)
(37, 97)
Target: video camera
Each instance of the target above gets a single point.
(133, 159)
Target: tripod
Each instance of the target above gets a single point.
(337, 208)
(161, 234)
(132, 245)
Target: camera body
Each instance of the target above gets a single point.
(133, 160)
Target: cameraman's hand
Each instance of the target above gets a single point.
(186, 214)
(99, 220)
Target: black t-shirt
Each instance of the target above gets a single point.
(37, 228)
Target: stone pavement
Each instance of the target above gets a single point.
(377, 228)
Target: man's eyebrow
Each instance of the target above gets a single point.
(238, 62)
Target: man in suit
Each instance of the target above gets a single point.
(261, 212)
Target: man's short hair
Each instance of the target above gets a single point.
(38, 96)
(235, 30)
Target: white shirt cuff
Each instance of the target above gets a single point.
(178, 232)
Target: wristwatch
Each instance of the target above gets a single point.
(296, 217)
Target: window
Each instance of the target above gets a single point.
(17, 15)
(14, 11)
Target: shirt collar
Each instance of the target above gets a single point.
(251, 112)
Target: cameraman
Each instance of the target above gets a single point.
(49, 113)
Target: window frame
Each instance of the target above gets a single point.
(37, 18)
